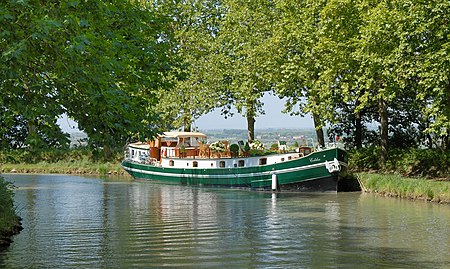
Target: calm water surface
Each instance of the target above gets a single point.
(79, 222)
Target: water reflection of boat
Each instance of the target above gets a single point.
(185, 158)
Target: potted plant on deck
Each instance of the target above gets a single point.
(182, 151)
(256, 148)
(217, 148)
(246, 149)
(234, 149)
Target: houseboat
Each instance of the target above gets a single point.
(187, 158)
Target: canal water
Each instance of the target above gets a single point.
(81, 222)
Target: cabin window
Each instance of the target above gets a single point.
(290, 158)
(222, 164)
(262, 161)
(282, 159)
(187, 164)
(212, 164)
(132, 152)
(195, 164)
(241, 163)
(171, 163)
(235, 164)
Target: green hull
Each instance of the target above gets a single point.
(303, 174)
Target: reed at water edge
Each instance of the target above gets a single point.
(403, 187)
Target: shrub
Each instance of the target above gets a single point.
(364, 159)
(234, 148)
(8, 217)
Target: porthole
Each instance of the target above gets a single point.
(195, 164)
(171, 163)
(241, 163)
(222, 164)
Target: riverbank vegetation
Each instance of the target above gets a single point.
(420, 174)
(60, 161)
(411, 188)
(408, 162)
(9, 221)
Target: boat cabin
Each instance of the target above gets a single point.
(169, 145)
(190, 150)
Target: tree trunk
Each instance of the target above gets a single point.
(358, 130)
(187, 121)
(187, 127)
(430, 141)
(319, 130)
(33, 139)
(251, 127)
(447, 137)
(107, 152)
(446, 142)
(382, 110)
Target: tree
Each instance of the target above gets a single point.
(98, 61)
(241, 50)
(382, 55)
(30, 46)
(431, 45)
(193, 26)
(298, 63)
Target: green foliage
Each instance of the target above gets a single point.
(61, 161)
(246, 147)
(24, 156)
(128, 68)
(234, 148)
(193, 25)
(364, 159)
(98, 61)
(8, 217)
(411, 162)
(415, 188)
(274, 146)
(420, 162)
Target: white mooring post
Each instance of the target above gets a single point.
(274, 182)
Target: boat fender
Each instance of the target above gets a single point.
(274, 182)
(333, 166)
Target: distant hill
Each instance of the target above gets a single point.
(266, 136)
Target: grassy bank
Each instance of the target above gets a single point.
(9, 221)
(59, 161)
(62, 167)
(410, 188)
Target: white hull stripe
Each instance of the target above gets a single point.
(283, 171)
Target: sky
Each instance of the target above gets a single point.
(273, 118)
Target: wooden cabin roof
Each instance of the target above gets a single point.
(183, 134)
